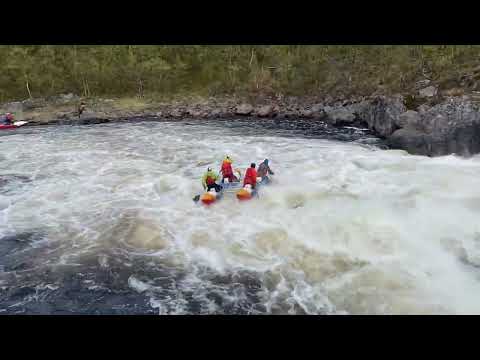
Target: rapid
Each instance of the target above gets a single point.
(100, 220)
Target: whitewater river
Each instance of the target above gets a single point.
(100, 220)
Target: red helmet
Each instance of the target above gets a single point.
(9, 116)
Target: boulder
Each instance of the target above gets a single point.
(409, 139)
(409, 118)
(265, 111)
(176, 113)
(64, 115)
(317, 109)
(381, 113)
(244, 109)
(428, 92)
(216, 113)
(450, 127)
(305, 113)
(340, 116)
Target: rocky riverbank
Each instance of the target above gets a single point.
(429, 124)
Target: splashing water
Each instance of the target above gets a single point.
(100, 219)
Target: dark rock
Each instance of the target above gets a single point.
(450, 127)
(409, 118)
(176, 113)
(244, 109)
(410, 140)
(195, 113)
(216, 113)
(381, 114)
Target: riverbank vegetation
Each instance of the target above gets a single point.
(148, 70)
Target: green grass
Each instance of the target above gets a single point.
(169, 72)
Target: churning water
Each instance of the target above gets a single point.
(100, 220)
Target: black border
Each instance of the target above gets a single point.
(240, 23)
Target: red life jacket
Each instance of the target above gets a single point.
(227, 169)
(250, 177)
(210, 180)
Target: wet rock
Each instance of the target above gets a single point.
(244, 109)
(409, 139)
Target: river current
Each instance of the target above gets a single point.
(100, 220)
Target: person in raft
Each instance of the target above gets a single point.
(264, 170)
(250, 176)
(227, 170)
(7, 119)
(209, 181)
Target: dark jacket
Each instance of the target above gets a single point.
(264, 170)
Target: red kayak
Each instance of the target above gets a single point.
(12, 126)
(4, 127)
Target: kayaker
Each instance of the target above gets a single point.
(264, 170)
(250, 176)
(209, 181)
(227, 171)
(7, 119)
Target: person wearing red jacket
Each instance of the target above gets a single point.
(227, 170)
(250, 176)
